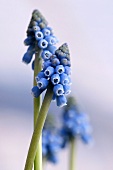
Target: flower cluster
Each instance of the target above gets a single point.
(51, 144)
(51, 139)
(39, 35)
(56, 71)
(75, 124)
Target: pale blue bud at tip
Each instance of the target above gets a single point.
(65, 62)
(49, 71)
(36, 28)
(59, 69)
(52, 48)
(42, 44)
(42, 83)
(58, 90)
(67, 89)
(67, 70)
(39, 35)
(55, 79)
(39, 76)
(60, 54)
(55, 62)
(64, 79)
(46, 54)
(46, 32)
(36, 91)
(61, 101)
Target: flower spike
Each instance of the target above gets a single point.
(56, 74)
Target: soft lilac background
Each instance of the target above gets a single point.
(87, 25)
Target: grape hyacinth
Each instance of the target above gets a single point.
(75, 124)
(51, 139)
(56, 71)
(39, 35)
(51, 144)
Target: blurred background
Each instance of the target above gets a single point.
(87, 26)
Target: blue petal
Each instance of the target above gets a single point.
(46, 54)
(46, 32)
(64, 79)
(51, 48)
(46, 64)
(59, 69)
(49, 71)
(27, 57)
(67, 89)
(36, 91)
(58, 90)
(39, 76)
(67, 70)
(42, 44)
(51, 40)
(55, 79)
(39, 35)
(61, 101)
(42, 83)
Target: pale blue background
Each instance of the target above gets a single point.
(87, 26)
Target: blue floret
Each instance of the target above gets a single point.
(51, 144)
(27, 58)
(58, 90)
(39, 35)
(61, 101)
(75, 125)
(36, 91)
(46, 54)
(42, 83)
(42, 44)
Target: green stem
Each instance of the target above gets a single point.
(37, 105)
(72, 154)
(38, 128)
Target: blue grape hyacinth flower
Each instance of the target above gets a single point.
(40, 36)
(75, 124)
(51, 144)
(51, 140)
(56, 74)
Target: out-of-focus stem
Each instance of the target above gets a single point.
(72, 154)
